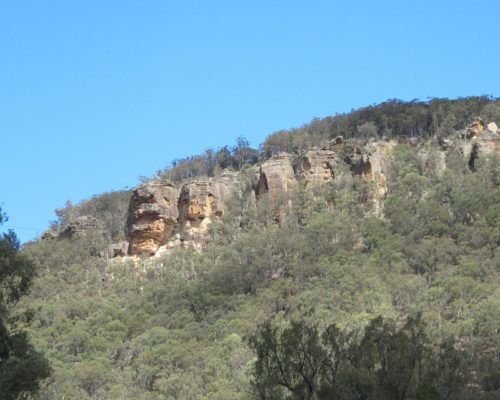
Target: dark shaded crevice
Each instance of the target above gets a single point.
(473, 157)
(262, 186)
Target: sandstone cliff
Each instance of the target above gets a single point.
(276, 178)
(153, 215)
(199, 201)
(162, 215)
(316, 167)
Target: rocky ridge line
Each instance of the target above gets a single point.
(163, 216)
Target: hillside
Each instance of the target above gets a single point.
(365, 243)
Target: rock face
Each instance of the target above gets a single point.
(153, 214)
(276, 178)
(379, 155)
(475, 128)
(483, 146)
(372, 162)
(201, 199)
(433, 156)
(161, 215)
(75, 229)
(115, 250)
(316, 167)
(80, 226)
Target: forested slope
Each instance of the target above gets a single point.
(330, 301)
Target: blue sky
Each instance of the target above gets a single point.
(94, 94)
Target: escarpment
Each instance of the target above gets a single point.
(316, 167)
(162, 215)
(199, 201)
(372, 162)
(167, 215)
(276, 178)
(180, 217)
(153, 213)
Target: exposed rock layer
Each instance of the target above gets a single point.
(276, 177)
(475, 128)
(162, 215)
(153, 213)
(316, 167)
(76, 228)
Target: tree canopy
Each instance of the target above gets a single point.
(22, 368)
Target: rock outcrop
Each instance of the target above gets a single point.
(113, 250)
(316, 167)
(492, 127)
(164, 217)
(433, 156)
(475, 128)
(372, 162)
(75, 229)
(379, 155)
(482, 146)
(200, 200)
(161, 215)
(276, 178)
(153, 216)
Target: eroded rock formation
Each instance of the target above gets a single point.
(482, 146)
(161, 215)
(164, 216)
(475, 128)
(153, 216)
(200, 200)
(276, 178)
(76, 228)
(316, 167)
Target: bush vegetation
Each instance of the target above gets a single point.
(331, 302)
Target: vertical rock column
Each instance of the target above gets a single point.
(199, 200)
(152, 217)
(276, 184)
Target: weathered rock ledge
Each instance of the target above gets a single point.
(164, 216)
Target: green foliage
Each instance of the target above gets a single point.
(212, 162)
(110, 209)
(336, 284)
(22, 368)
(393, 118)
(382, 362)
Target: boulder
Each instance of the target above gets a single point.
(153, 214)
(492, 127)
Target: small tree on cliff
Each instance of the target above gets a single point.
(243, 153)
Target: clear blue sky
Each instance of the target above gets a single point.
(94, 94)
